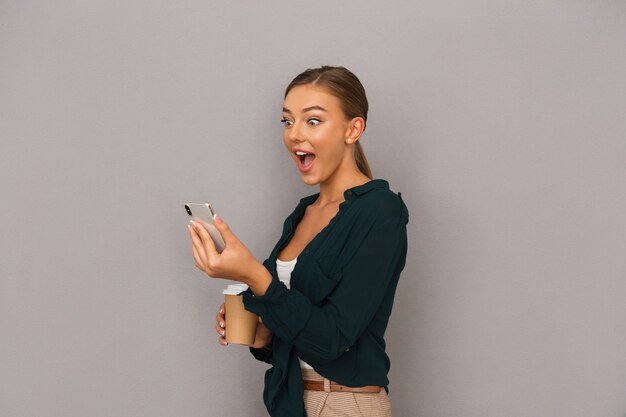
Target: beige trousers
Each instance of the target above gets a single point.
(343, 404)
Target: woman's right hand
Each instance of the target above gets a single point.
(262, 338)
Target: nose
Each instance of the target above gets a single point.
(295, 133)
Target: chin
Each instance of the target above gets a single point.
(309, 180)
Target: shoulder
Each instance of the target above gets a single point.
(382, 202)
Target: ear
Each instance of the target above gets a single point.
(355, 129)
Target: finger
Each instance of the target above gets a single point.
(197, 258)
(219, 318)
(222, 341)
(197, 243)
(205, 238)
(224, 229)
(219, 330)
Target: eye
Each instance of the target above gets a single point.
(286, 122)
(313, 121)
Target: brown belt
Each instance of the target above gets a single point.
(334, 387)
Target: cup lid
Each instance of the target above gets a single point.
(241, 287)
(235, 289)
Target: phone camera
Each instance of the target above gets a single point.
(188, 209)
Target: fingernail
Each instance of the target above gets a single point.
(221, 310)
(221, 325)
(216, 218)
(222, 332)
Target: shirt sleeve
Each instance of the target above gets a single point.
(320, 334)
(263, 354)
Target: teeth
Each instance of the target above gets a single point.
(301, 153)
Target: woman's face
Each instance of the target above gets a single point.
(315, 131)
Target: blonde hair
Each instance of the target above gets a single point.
(344, 85)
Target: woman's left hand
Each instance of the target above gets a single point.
(235, 262)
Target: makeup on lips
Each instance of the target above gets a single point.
(304, 159)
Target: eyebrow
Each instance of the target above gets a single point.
(286, 110)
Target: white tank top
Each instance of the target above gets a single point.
(284, 269)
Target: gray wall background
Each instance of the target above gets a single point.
(501, 122)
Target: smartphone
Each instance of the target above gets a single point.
(204, 213)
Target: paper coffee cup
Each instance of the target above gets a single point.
(240, 323)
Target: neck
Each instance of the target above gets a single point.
(331, 190)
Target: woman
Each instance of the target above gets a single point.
(324, 295)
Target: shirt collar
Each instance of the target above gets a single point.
(359, 190)
(367, 187)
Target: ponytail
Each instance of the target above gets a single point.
(361, 160)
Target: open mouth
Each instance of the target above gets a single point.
(306, 159)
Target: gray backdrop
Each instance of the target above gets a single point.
(501, 122)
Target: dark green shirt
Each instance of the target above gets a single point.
(342, 288)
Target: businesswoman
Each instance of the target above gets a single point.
(325, 293)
